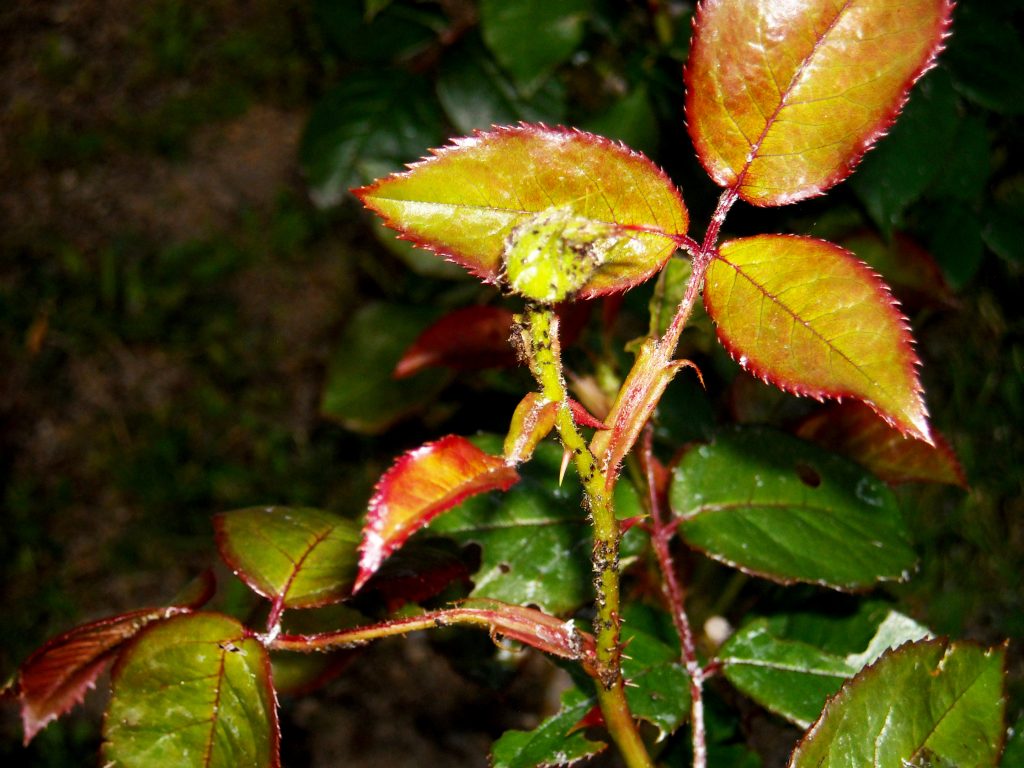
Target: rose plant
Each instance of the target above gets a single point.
(783, 100)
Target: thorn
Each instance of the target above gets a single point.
(628, 658)
(630, 684)
(566, 455)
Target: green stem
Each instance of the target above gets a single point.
(540, 332)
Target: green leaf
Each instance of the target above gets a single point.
(296, 557)
(476, 94)
(532, 37)
(369, 123)
(954, 239)
(361, 393)
(631, 120)
(903, 164)
(472, 197)
(192, 691)
(986, 57)
(964, 177)
(378, 33)
(659, 688)
(535, 538)
(794, 678)
(783, 99)
(775, 506)
(552, 743)
(805, 315)
(925, 704)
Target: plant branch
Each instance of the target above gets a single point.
(522, 624)
(540, 333)
(701, 258)
(662, 530)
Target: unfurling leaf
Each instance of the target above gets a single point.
(806, 316)
(794, 677)
(533, 420)
(616, 214)
(853, 430)
(422, 484)
(775, 506)
(56, 677)
(930, 703)
(192, 691)
(296, 557)
(651, 374)
(783, 99)
(467, 339)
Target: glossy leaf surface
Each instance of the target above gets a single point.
(420, 485)
(927, 703)
(361, 392)
(775, 506)
(794, 678)
(659, 688)
(530, 38)
(467, 339)
(535, 539)
(57, 676)
(784, 98)
(806, 316)
(370, 122)
(296, 557)
(192, 691)
(554, 742)
(466, 200)
(853, 430)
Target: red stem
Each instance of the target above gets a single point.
(663, 530)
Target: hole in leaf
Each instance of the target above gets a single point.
(808, 475)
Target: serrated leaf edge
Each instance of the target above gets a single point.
(911, 362)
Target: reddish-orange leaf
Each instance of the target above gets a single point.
(532, 421)
(465, 202)
(636, 401)
(420, 485)
(783, 98)
(56, 677)
(855, 431)
(467, 339)
(808, 317)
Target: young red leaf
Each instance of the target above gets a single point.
(783, 99)
(420, 485)
(470, 338)
(532, 421)
(636, 401)
(855, 431)
(806, 316)
(56, 677)
(296, 557)
(466, 201)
